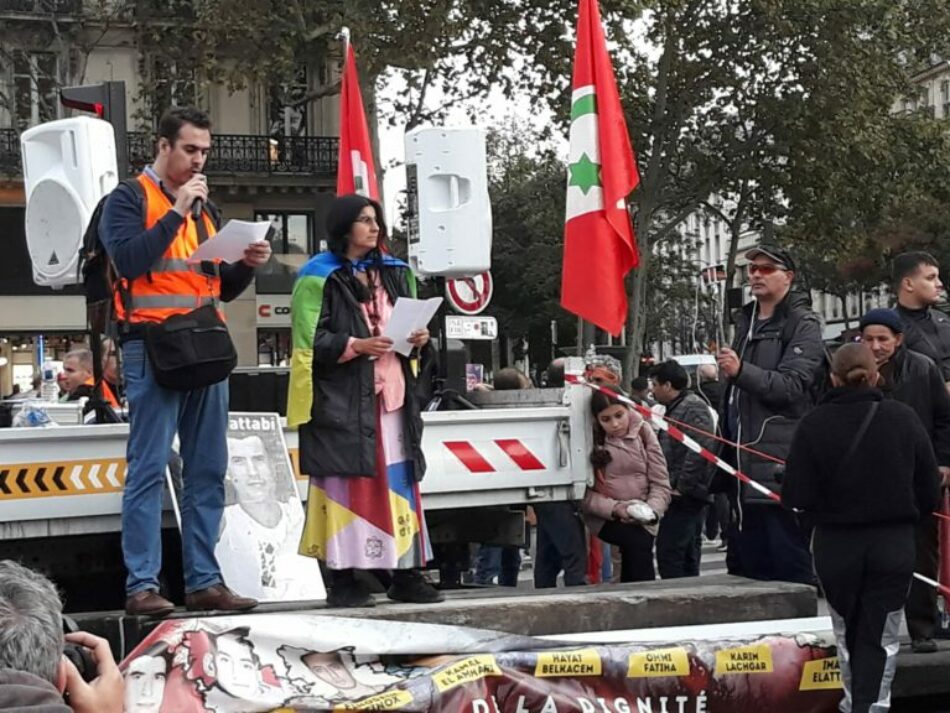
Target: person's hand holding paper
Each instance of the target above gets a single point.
(238, 240)
(409, 318)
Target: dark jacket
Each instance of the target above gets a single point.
(711, 393)
(782, 362)
(689, 472)
(890, 478)
(25, 693)
(340, 438)
(927, 332)
(915, 380)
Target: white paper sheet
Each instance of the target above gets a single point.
(231, 241)
(408, 316)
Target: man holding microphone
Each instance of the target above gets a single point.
(776, 360)
(150, 227)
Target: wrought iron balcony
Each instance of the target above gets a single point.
(41, 7)
(232, 154)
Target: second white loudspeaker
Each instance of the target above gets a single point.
(449, 212)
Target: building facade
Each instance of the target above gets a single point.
(273, 158)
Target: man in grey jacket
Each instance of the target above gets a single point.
(679, 541)
(773, 370)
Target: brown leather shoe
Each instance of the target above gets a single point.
(219, 598)
(148, 603)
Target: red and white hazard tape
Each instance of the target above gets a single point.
(677, 435)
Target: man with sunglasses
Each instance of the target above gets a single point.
(776, 363)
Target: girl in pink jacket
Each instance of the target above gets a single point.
(631, 486)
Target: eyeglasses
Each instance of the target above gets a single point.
(765, 270)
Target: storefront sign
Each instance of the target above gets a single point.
(273, 310)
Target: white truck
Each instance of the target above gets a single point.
(61, 487)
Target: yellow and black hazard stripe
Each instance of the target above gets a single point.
(37, 480)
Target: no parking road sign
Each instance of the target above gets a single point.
(469, 295)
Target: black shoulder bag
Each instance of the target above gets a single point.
(193, 350)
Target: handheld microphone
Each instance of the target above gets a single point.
(196, 208)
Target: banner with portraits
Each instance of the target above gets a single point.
(299, 662)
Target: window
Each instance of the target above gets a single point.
(34, 88)
(174, 85)
(286, 112)
(292, 243)
(292, 232)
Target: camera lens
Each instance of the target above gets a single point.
(82, 659)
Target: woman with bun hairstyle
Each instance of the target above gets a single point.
(861, 469)
(353, 400)
(631, 488)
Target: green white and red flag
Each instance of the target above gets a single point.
(356, 172)
(599, 245)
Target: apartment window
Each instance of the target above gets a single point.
(174, 84)
(286, 111)
(34, 88)
(293, 232)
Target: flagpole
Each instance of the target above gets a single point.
(344, 36)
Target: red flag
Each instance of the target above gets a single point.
(599, 245)
(355, 172)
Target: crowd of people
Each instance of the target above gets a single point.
(856, 445)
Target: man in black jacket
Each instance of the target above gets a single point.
(679, 541)
(776, 360)
(915, 380)
(916, 280)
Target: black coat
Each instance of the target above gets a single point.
(340, 438)
(927, 331)
(690, 473)
(915, 380)
(782, 361)
(891, 478)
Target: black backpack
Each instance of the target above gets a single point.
(95, 267)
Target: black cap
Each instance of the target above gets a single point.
(774, 253)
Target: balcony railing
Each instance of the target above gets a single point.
(231, 154)
(41, 7)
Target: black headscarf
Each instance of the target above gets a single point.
(343, 213)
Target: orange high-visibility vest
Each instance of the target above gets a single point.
(171, 286)
(107, 393)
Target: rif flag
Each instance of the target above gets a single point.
(599, 245)
(355, 171)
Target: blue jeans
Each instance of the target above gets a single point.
(495, 560)
(156, 414)
(562, 545)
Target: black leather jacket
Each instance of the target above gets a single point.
(915, 380)
(927, 332)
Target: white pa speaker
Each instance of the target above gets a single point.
(68, 166)
(449, 213)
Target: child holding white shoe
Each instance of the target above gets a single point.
(631, 486)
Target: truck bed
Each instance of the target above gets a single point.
(514, 450)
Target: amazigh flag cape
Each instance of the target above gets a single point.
(305, 306)
(599, 245)
(355, 170)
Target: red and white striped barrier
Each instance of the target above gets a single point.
(478, 457)
(676, 434)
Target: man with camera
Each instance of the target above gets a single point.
(34, 673)
(168, 311)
